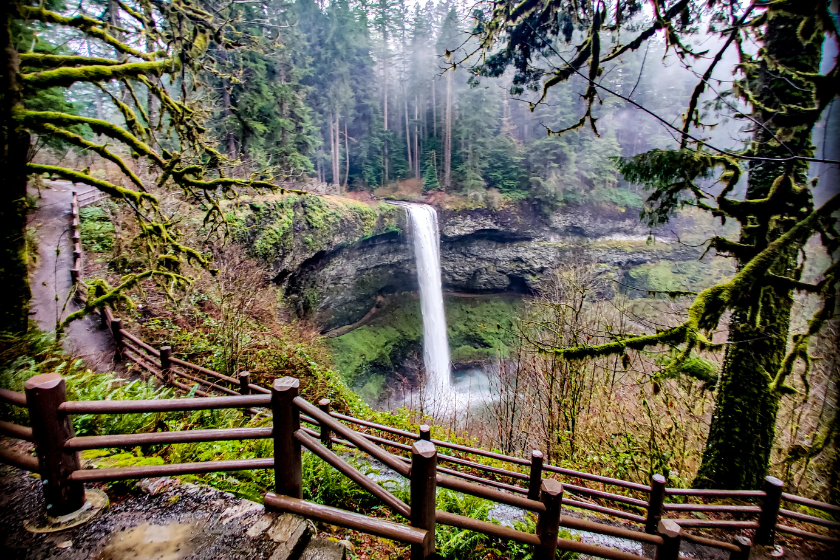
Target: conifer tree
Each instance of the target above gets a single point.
(430, 179)
(263, 113)
(447, 45)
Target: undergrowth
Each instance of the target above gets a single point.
(96, 229)
(37, 353)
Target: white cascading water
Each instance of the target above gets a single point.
(424, 230)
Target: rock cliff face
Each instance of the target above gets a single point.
(334, 258)
(526, 221)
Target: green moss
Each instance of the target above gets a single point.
(667, 276)
(318, 213)
(378, 348)
(656, 277)
(274, 228)
(479, 329)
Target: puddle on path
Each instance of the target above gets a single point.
(152, 542)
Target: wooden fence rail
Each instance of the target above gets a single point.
(58, 447)
(58, 462)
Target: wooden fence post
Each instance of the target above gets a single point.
(244, 383)
(425, 432)
(116, 327)
(51, 429)
(423, 480)
(535, 479)
(326, 433)
(671, 534)
(766, 531)
(657, 498)
(288, 470)
(548, 522)
(166, 366)
(745, 546)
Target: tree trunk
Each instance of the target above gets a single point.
(318, 168)
(740, 441)
(408, 134)
(14, 276)
(332, 147)
(346, 155)
(151, 100)
(336, 174)
(230, 140)
(384, 91)
(416, 139)
(447, 146)
(386, 175)
(434, 111)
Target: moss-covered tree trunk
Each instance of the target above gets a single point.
(14, 147)
(738, 449)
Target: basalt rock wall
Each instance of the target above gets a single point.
(482, 252)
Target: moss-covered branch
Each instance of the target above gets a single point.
(659, 23)
(39, 60)
(98, 125)
(827, 290)
(128, 114)
(101, 294)
(724, 245)
(141, 19)
(799, 351)
(100, 149)
(90, 26)
(78, 177)
(786, 283)
(63, 77)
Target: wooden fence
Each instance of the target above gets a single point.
(524, 484)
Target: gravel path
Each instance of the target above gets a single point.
(50, 281)
(178, 522)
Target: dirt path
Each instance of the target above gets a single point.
(51, 283)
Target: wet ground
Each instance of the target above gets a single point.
(179, 522)
(51, 284)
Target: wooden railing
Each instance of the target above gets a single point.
(532, 490)
(89, 197)
(58, 463)
(76, 239)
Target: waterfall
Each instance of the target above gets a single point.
(424, 230)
